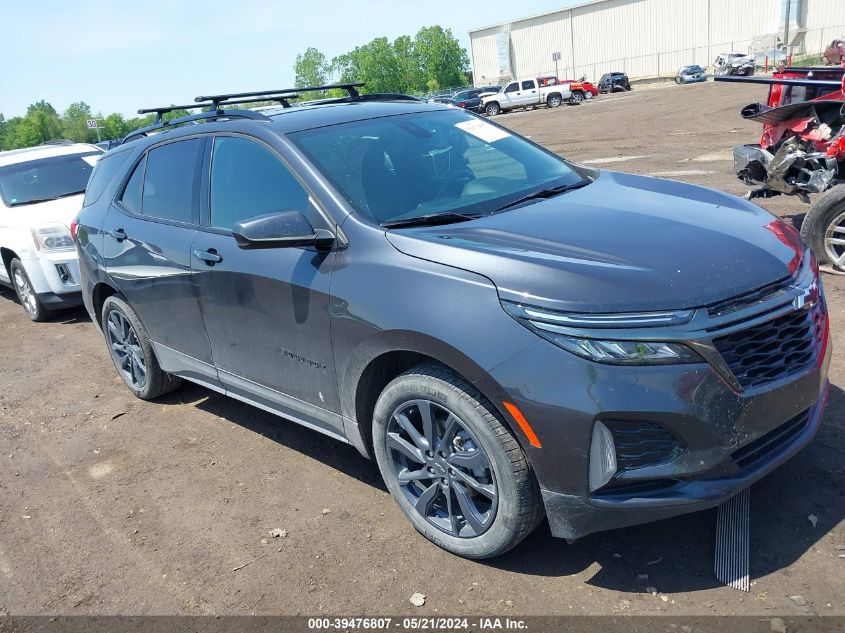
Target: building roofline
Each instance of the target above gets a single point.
(537, 15)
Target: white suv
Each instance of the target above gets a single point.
(41, 190)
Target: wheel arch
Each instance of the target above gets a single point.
(101, 292)
(384, 360)
(7, 255)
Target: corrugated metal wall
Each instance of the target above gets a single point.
(641, 37)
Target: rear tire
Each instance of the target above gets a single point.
(825, 221)
(480, 447)
(32, 305)
(132, 353)
(553, 101)
(588, 95)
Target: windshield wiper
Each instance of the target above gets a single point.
(549, 192)
(40, 200)
(432, 219)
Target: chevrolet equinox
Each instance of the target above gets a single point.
(508, 334)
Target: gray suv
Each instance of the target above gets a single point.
(509, 335)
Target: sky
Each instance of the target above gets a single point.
(118, 56)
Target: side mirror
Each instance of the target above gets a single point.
(283, 229)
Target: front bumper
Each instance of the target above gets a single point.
(697, 433)
(574, 516)
(55, 276)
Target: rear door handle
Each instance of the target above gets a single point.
(118, 234)
(210, 256)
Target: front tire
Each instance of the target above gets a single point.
(823, 229)
(132, 353)
(576, 98)
(452, 466)
(492, 109)
(32, 305)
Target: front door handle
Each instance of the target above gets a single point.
(210, 257)
(118, 234)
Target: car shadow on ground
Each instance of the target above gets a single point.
(333, 453)
(71, 315)
(674, 555)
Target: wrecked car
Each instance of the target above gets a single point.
(734, 64)
(801, 151)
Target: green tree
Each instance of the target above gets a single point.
(413, 79)
(311, 69)
(440, 56)
(114, 126)
(74, 123)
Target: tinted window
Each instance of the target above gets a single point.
(46, 178)
(512, 88)
(131, 197)
(169, 180)
(104, 171)
(399, 167)
(248, 180)
(527, 85)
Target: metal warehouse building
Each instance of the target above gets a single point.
(648, 38)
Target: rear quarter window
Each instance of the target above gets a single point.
(104, 172)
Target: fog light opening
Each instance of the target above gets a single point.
(602, 457)
(64, 274)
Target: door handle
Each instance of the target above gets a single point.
(210, 257)
(118, 234)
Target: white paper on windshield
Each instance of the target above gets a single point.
(91, 160)
(483, 130)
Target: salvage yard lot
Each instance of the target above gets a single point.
(111, 505)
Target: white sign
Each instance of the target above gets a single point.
(92, 124)
(555, 57)
(483, 130)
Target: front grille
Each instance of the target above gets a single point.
(775, 349)
(640, 444)
(771, 442)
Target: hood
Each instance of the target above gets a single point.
(622, 244)
(61, 211)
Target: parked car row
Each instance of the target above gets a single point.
(477, 314)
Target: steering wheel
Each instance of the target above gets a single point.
(457, 181)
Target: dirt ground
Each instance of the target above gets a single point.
(111, 505)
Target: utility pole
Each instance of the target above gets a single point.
(786, 26)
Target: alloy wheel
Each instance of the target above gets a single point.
(126, 349)
(834, 242)
(442, 469)
(25, 292)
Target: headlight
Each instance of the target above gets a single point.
(562, 329)
(55, 237)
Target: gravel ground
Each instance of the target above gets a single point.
(111, 505)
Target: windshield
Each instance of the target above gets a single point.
(46, 178)
(413, 165)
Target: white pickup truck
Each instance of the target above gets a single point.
(526, 92)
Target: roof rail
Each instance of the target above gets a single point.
(216, 100)
(197, 116)
(59, 141)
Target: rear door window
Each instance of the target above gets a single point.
(170, 179)
(528, 85)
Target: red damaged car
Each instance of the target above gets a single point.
(801, 151)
